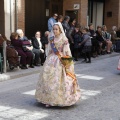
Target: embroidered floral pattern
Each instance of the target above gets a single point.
(54, 86)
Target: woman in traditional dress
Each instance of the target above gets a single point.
(57, 85)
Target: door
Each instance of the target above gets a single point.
(72, 13)
(35, 17)
(56, 6)
(95, 12)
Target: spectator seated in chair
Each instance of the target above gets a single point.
(38, 48)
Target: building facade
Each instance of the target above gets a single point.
(32, 15)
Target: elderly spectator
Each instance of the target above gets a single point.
(37, 48)
(26, 57)
(27, 45)
(107, 38)
(66, 25)
(114, 35)
(118, 32)
(51, 22)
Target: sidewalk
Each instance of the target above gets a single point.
(17, 73)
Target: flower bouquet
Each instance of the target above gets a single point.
(67, 60)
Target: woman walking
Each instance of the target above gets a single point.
(57, 85)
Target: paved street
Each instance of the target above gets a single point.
(100, 88)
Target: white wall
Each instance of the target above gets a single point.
(98, 14)
(9, 9)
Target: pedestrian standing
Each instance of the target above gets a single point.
(77, 39)
(87, 45)
(51, 21)
(57, 85)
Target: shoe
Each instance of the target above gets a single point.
(36, 64)
(108, 52)
(41, 64)
(23, 67)
(31, 66)
(88, 61)
(11, 67)
(76, 59)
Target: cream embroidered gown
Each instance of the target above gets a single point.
(54, 86)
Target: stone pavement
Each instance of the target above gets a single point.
(16, 73)
(100, 89)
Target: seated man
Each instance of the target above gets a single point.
(37, 48)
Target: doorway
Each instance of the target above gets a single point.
(73, 14)
(37, 13)
(35, 17)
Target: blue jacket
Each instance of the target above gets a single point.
(51, 22)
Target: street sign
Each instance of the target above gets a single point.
(77, 6)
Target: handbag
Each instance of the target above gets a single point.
(25, 43)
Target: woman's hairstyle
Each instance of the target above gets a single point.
(99, 27)
(86, 29)
(60, 17)
(114, 27)
(77, 25)
(67, 18)
(103, 27)
(13, 35)
(90, 24)
(19, 31)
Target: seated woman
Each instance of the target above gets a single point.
(11, 54)
(114, 35)
(26, 57)
(37, 48)
(27, 46)
(100, 39)
(107, 38)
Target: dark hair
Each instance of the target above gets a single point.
(60, 17)
(77, 25)
(66, 18)
(90, 24)
(86, 29)
(13, 35)
(99, 27)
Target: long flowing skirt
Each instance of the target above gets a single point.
(55, 87)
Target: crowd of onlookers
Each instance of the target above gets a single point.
(24, 52)
(84, 41)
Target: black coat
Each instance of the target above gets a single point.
(35, 43)
(44, 41)
(77, 39)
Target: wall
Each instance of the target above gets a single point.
(20, 15)
(82, 12)
(2, 30)
(112, 6)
